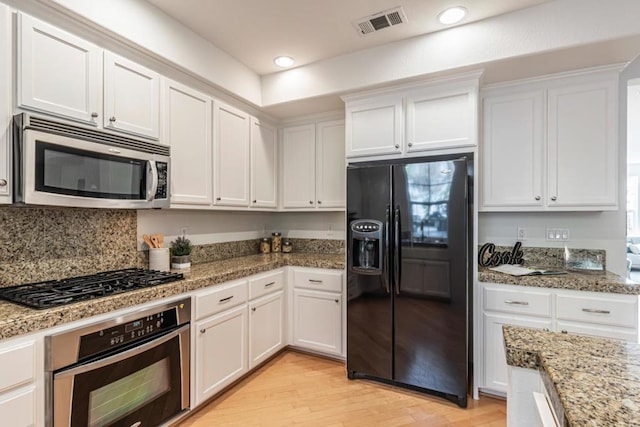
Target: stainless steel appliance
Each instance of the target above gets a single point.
(132, 370)
(56, 163)
(54, 293)
(409, 272)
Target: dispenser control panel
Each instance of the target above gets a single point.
(365, 227)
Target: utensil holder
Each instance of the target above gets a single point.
(159, 259)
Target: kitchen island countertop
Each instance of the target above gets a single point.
(596, 381)
(591, 282)
(17, 320)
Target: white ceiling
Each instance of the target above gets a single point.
(256, 31)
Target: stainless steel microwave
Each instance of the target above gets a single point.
(60, 164)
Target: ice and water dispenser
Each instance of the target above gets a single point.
(366, 244)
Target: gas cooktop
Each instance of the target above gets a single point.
(54, 293)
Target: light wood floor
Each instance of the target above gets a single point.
(299, 389)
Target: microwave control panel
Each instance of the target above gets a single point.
(163, 178)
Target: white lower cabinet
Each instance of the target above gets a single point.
(221, 347)
(317, 316)
(266, 327)
(21, 393)
(577, 312)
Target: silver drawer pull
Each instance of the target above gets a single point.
(227, 299)
(315, 281)
(269, 284)
(508, 301)
(593, 310)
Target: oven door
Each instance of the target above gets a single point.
(143, 386)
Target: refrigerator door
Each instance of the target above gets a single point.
(430, 276)
(369, 309)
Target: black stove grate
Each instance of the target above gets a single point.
(54, 293)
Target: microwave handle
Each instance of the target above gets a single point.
(152, 184)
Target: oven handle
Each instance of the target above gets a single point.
(122, 356)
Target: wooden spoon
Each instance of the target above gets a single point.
(148, 241)
(155, 241)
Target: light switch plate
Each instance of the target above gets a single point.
(557, 234)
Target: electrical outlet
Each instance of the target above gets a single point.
(558, 234)
(522, 234)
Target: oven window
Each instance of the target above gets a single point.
(66, 170)
(124, 396)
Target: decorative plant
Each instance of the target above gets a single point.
(181, 246)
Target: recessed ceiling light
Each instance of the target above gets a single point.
(453, 15)
(283, 61)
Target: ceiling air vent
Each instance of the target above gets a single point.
(380, 20)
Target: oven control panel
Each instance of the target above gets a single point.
(126, 333)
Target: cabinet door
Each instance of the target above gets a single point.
(374, 127)
(317, 321)
(266, 328)
(18, 409)
(221, 351)
(442, 118)
(330, 165)
(495, 363)
(513, 152)
(5, 104)
(132, 94)
(298, 166)
(58, 73)
(582, 144)
(232, 130)
(264, 165)
(187, 129)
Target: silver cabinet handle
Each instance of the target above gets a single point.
(224, 300)
(202, 331)
(255, 201)
(218, 198)
(410, 144)
(337, 300)
(315, 281)
(310, 202)
(397, 145)
(319, 202)
(564, 331)
(253, 309)
(3, 182)
(112, 119)
(508, 301)
(546, 329)
(269, 284)
(94, 115)
(594, 310)
(537, 197)
(554, 198)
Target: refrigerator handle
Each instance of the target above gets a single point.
(396, 249)
(385, 261)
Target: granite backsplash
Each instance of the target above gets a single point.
(558, 257)
(45, 243)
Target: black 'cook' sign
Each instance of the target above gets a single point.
(488, 257)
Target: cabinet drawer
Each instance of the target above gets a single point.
(266, 283)
(522, 302)
(318, 279)
(601, 309)
(626, 334)
(220, 298)
(21, 360)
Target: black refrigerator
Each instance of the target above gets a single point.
(409, 228)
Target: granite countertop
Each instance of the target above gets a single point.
(593, 282)
(17, 320)
(595, 380)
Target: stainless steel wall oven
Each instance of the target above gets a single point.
(132, 370)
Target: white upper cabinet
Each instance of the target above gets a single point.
(313, 166)
(374, 126)
(264, 165)
(582, 143)
(418, 117)
(513, 150)
(131, 97)
(231, 142)
(5, 104)
(551, 144)
(58, 73)
(330, 165)
(442, 117)
(187, 129)
(298, 166)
